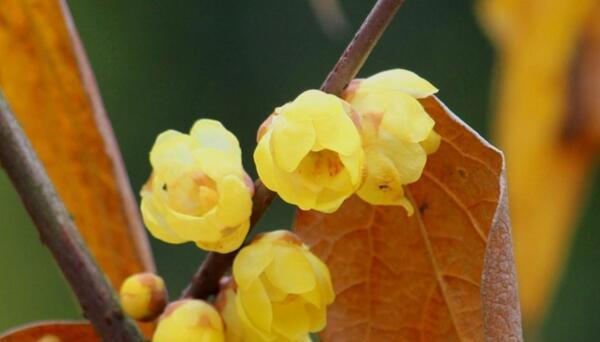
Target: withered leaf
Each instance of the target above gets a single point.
(52, 331)
(50, 86)
(423, 277)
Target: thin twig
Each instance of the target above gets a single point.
(206, 280)
(58, 232)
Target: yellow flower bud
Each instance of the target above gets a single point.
(309, 151)
(397, 133)
(283, 290)
(199, 190)
(143, 296)
(189, 320)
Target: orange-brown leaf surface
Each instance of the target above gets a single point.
(423, 277)
(49, 84)
(52, 332)
(547, 122)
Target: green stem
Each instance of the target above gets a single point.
(58, 232)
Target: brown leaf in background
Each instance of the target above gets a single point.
(419, 278)
(49, 84)
(52, 332)
(547, 123)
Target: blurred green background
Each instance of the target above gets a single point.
(164, 64)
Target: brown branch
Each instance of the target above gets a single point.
(206, 280)
(58, 232)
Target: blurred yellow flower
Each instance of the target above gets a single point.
(397, 133)
(198, 191)
(189, 320)
(283, 290)
(143, 296)
(309, 151)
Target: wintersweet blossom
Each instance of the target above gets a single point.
(283, 290)
(143, 296)
(199, 190)
(397, 133)
(309, 151)
(189, 320)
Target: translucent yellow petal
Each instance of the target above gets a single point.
(291, 319)
(401, 80)
(382, 185)
(172, 154)
(216, 164)
(403, 115)
(335, 130)
(289, 271)
(406, 118)
(313, 296)
(212, 134)
(354, 165)
(232, 239)
(275, 293)
(323, 277)
(408, 158)
(235, 201)
(317, 318)
(291, 141)
(156, 222)
(292, 189)
(251, 262)
(432, 143)
(329, 201)
(264, 162)
(256, 305)
(195, 228)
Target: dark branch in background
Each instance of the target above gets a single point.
(206, 280)
(58, 232)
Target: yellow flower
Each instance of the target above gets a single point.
(283, 290)
(189, 320)
(235, 329)
(198, 191)
(397, 133)
(143, 296)
(309, 152)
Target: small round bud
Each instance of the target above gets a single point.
(143, 296)
(189, 320)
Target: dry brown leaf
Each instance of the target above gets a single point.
(547, 124)
(49, 84)
(423, 278)
(59, 331)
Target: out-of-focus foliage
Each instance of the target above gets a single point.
(52, 332)
(424, 270)
(49, 86)
(544, 110)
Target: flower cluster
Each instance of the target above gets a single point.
(315, 152)
(318, 150)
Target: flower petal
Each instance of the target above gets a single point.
(212, 134)
(291, 141)
(250, 262)
(291, 319)
(235, 201)
(400, 80)
(289, 271)
(156, 223)
(256, 305)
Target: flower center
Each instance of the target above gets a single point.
(193, 194)
(320, 166)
